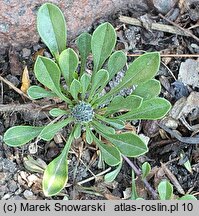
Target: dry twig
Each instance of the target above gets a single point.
(175, 29)
(186, 31)
(170, 55)
(154, 26)
(14, 88)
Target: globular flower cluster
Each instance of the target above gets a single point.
(82, 112)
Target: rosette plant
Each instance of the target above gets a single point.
(101, 116)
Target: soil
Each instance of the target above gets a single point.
(16, 179)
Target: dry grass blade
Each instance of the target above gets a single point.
(173, 179)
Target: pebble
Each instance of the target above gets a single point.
(26, 52)
(13, 79)
(8, 165)
(36, 47)
(6, 196)
(164, 6)
(29, 195)
(3, 178)
(3, 190)
(12, 186)
(17, 197)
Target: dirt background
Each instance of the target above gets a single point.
(170, 147)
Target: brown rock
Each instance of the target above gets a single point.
(17, 17)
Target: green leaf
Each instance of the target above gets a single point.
(84, 46)
(109, 177)
(51, 129)
(75, 88)
(55, 112)
(51, 26)
(102, 44)
(146, 168)
(77, 131)
(99, 82)
(165, 190)
(129, 144)
(188, 197)
(34, 165)
(56, 174)
(148, 90)
(47, 72)
(103, 128)
(155, 108)
(89, 137)
(134, 195)
(85, 81)
(68, 62)
(141, 70)
(110, 153)
(115, 63)
(37, 92)
(186, 164)
(131, 102)
(116, 123)
(20, 135)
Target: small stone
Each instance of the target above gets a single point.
(12, 186)
(23, 175)
(17, 197)
(32, 179)
(8, 165)
(3, 178)
(13, 79)
(26, 52)
(188, 73)
(164, 6)
(3, 190)
(6, 196)
(19, 191)
(29, 195)
(36, 47)
(58, 138)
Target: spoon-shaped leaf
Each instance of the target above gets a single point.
(188, 197)
(141, 70)
(148, 90)
(102, 44)
(20, 135)
(77, 131)
(109, 177)
(48, 73)
(37, 92)
(56, 174)
(146, 168)
(118, 103)
(55, 112)
(115, 63)
(152, 109)
(99, 81)
(75, 88)
(89, 137)
(165, 190)
(110, 153)
(51, 26)
(128, 144)
(116, 123)
(85, 82)
(103, 128)
(84, 46)
(68, 62)
(51, 129)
